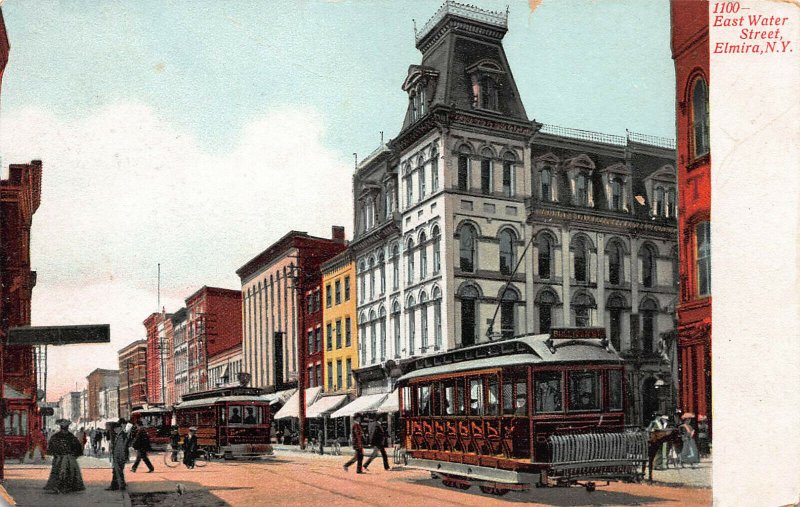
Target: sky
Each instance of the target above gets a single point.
(195, 134)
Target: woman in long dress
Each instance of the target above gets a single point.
(65, 475)
(689, 454)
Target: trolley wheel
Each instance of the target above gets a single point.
(590, 486)
(463, 486)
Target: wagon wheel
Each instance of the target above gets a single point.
(463, 485)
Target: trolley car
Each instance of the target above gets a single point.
(540, 409)
(231, 422)
(157, 422)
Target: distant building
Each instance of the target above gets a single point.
(157, 356)
(224, 368)
(339, 320)
(132, 377)
(275, 286)
(97, 383)
(213, 327)
(69, 407)
(692, 75)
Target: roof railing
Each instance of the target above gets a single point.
(610, 139)
(466, 11)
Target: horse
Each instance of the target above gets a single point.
(657, 438)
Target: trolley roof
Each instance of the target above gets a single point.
(224, 391)
(204, 402)
(151, 409)
(542, 349)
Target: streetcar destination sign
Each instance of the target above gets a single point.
(564, 333)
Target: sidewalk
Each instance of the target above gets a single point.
(699, 477)
(25, 485)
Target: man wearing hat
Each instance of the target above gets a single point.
(190, 448)
(119, 457)
(659, 424)
(65, 475)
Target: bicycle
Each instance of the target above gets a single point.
(173, 458)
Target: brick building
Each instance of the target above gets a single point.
(691, 55)
(213, 329)
(132, 377)
(157, 327)
(97, 383)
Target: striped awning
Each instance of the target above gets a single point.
(292, 406)
(366, 403)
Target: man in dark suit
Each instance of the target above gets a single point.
(141, 444)
(377, 439)
(190, 448)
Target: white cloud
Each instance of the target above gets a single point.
(123, 190)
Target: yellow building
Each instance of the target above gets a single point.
(339, 321)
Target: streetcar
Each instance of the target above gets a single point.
(545, 409)
(157, 422)
(231, 422)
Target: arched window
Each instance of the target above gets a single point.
(382, 270)
(615, 256)
(488, 93)
(648, 263)
(581, 264)
(463, 168)
(582, 189)
(506, 252)
(434, 169)
(395, 266)
(423, 256)
(423, 321)
(437, 319)
(616, 194)
(486, 171)
(703, 258)
(396, 327)
(648, 310)
(421, 176)
(582, 305)
(467, 244)
(363, 281)
(362, 337)
(412, 326)
(409, 187)
(700, 123)
(507, 321)
(545, 303)
(508, 174)
(437, 250)
(616, 306)
(421, 92)
(382, 324)
(545, 177)
(660, 202)
(370, 267)
(469, 315)
(410, 261)
(545, 262)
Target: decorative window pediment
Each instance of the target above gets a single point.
(618, 168)
(582, 161)
(485, 79)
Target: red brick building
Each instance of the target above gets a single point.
(213, 328)
(157, 356)
(97, 381)
(691, 54)
(132, 377)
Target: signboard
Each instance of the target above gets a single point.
(565, 333)
(59, 335)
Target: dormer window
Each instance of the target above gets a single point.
(485, 78)
(659, 202)
(582, 189)
(546, 177)
(671, 212)
(419, 85)
(616, 194)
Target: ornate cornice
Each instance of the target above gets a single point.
(388, 229)
(631, 225)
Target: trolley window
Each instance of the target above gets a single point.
(476, 396)
(460, 407)
(584, 390)
(407, 404)
(508, 397)
(424, 400)
(615, 390)
(515, 395)
(206, 418)
(548, 387)
(244, 415)
(16, 422)
(493, 396)
(521, 401)
(449, 398)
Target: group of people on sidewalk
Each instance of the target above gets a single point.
(377, 439)
(694, 440)
(65, 473)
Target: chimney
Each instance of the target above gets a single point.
(337, 233)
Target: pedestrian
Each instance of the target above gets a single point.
(702, 436)
(377, 438)
(141, 444)
(65, 474)
(190, 448)
(689, 454)
(119, 457)
(357, 435)
(174, 443)
(660, 459)
(98, 442)
(83, 438)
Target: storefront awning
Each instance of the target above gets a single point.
(325, 405)
(366, 403)
(292, 406)
(390, 404)
(280, 396)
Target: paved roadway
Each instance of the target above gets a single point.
(297, 479)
